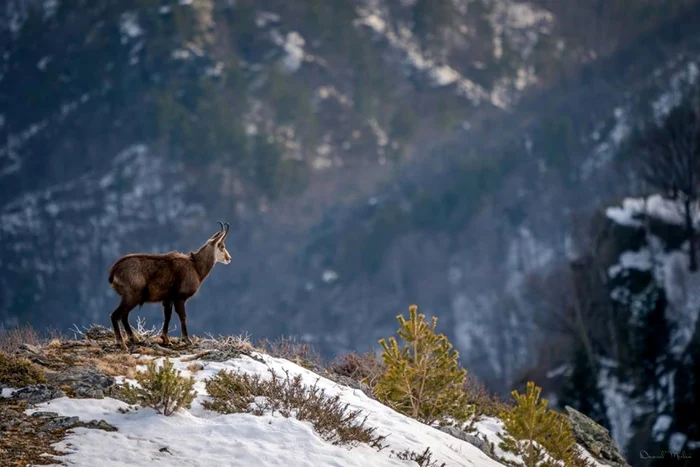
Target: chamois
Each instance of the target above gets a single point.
(170, 278)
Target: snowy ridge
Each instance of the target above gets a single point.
(201, 437)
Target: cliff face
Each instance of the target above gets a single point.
(368, 155)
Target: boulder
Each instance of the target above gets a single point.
(595, 439)
(87, 382)
(38, 393)
(474, 440)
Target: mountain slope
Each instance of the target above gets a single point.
(202, 437)
(368, 155)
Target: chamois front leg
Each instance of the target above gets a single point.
(167, 313)
(182, 314)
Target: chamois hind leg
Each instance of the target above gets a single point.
(167, 313)
(133, 337)
(182, 314)
(124, 306)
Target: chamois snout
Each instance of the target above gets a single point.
(221, 254)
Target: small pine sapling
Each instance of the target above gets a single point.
(540, 436)
(423, 378)
(163, 389)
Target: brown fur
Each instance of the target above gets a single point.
(169, 278)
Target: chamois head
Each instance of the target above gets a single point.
(217, 242)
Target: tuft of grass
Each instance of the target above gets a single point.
(423, 459)
(365, 368)
(12, 339)
(235, 392)
(239, 344)
(195, 367)
(161, 388)
(289, 348)
(18, 372)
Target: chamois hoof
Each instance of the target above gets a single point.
(165, 341)
(186, 341)
(123, 346)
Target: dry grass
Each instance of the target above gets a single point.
(423, 459)
(18, 372)
(62, 355)
(483, 402)
(289, 348)
(12, 339)
(234, 392)
(240, 343)
(195, 367)
(365, 368)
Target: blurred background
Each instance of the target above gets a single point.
(524, 171)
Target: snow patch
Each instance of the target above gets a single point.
(329, 276)
(41, 64)
(129, 26)
(294, 48)
(439, 74)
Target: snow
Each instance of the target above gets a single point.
(639, 260)
(129, 26)
(661, 426)
(200, 437)
(41, 64)
(604, 152)
(619, 408)
(519, 24)
(631, 212)
(329, 276)
(439, 74)
(294, 47)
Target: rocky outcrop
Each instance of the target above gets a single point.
(38, 393)
(481, 443)
(595, 439)
(84, 381)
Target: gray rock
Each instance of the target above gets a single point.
(61, 423)
(481, 443)
(25, 428)
(38, 393)
(220, 355)
(28, 348)
(45, 414)
(99, 332)
(349, 382)
(99, 425)
(9, 425)
(86, 381)
(595, 439)
(32, 353)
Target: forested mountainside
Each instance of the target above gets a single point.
(368, 154)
